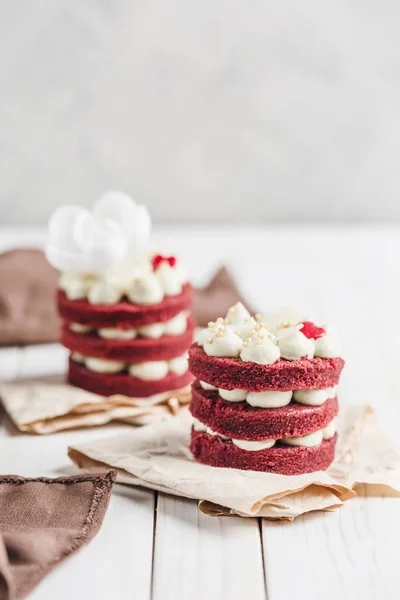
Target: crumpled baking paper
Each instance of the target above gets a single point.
(48, 405)
(158, 457)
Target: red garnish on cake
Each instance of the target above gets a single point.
(312, 331)
(158, 259)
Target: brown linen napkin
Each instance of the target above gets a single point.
(27, 298)
(158, 457)
(48, 404)
(28, 313)
(42, 521)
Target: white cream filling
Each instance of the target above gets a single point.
(175, 326)
(310, 440)
(273, 398)
(147, 371)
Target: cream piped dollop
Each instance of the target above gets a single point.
(170, 279)
(269, 399)
(314, 397)
(178, 365)
(260, 348)
(103, 292)
(251, 446)
(309, 440)
(146, 290)
(235, 395)
(207, 386)
(115, 333)
(295, 345)
(237, 314)
(328, 346)
(102, 365)
(75, 285)
(149, 371)
(177, 325)
(223, 342)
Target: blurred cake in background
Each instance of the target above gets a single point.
(126, 313)
(265, 395)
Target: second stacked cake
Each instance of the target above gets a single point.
(265, 394)
(128, 332)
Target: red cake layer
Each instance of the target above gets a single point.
(121, 383)
(241, 421)
(124, 313)
(137, 350)
(284, 375)
(284, 460)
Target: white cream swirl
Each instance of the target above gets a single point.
(224, 343)
(309, 440)
(273, 398)
(260, 348)
(174, 327)
(296, 345)
(147, 371)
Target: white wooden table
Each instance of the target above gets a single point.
(153, 545)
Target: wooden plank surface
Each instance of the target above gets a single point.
(197, 556)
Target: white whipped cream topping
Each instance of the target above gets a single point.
(136, 282)
(103, 292)
(115, 232)
(80, 328)
(284, 317)
(237, 314)
(78, 357)
(115, 333)
(254, 446)
(295, 345)
(75, 285)
(207, 386)
(154, 330)
(314, 397)
(178, 365)
(150, 371)
(233, 395)
(244, 330)
(147, 371)
(102, 365)
(175, 326)
(312, 439)
(146, 290)
(274, 398)
(223, 342)
(309, 440)
(269, 399)
(170, 279)
(328, 346)
(266, 339)
(329, 431)
(260, 348)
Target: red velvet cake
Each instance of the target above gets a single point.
(265, 396)
(126, 314)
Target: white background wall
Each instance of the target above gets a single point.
(204, 109)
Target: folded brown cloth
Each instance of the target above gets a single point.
(42, 521)
(27, 298)
(28, 312)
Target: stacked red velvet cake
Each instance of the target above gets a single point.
(265, 397)
(126, 318)
(128, 337)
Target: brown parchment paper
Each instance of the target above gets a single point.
(158, 457)
(48, 405)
